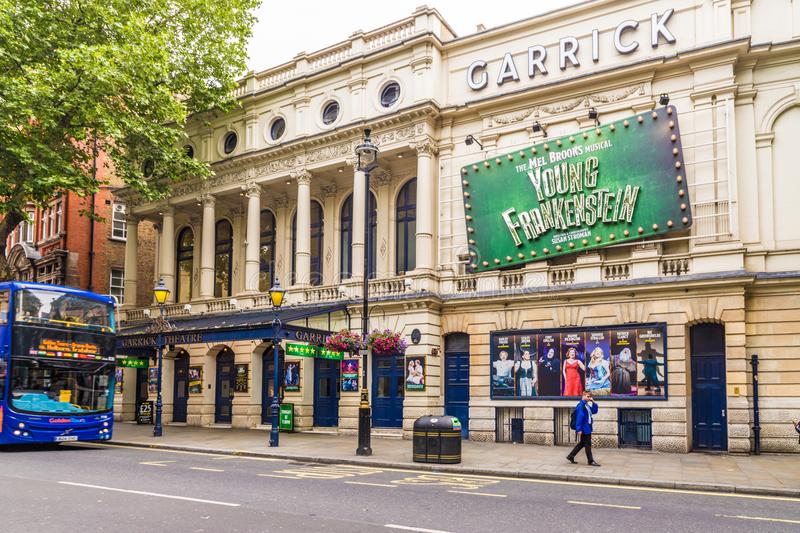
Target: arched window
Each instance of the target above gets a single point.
(406, 228)
(185, 265)
(266, 268)
(346, 254)
(223, 259)
(317, 234)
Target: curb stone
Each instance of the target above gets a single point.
(427, 467)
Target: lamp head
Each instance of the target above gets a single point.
(276, 294)
(161, 292)
(366, 152)
(663, 99)
(593, 113)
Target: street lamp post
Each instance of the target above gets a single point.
(276, 294)
(160, 292)
(367, 154)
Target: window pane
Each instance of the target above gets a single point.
(384, 386)
(222, 275)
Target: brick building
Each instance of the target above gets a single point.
(60, 244)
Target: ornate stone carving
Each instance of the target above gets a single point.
(394, 135)
(569, 105)
(252, 189)
(280, 201)
(426, 147)
(206, 200)
(329, 191)
(382, 178)
(302, 175)
(329, 152)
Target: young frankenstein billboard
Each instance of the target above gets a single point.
(622, 362)
(611, 184)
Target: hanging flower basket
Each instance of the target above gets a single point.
(345, 341)
(386, 342)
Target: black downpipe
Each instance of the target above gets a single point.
(756, 418)
(90, 287)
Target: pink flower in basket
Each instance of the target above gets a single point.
(386, 341)
(344, 341)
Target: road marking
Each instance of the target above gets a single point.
(370, 484)
(144, 493)
(410, 528)
(238, 454)
(282, 477)
(330, 471)
(205, 469)
(155, 463)
(478, 493)
(457, 482)
(762, 518)
(500, 478)
(595, 504)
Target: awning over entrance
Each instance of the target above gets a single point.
(138, 337)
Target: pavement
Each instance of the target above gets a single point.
(767, 474)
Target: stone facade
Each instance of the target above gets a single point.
(731, 70)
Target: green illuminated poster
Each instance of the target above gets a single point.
(615, 183)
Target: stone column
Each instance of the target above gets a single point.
(330, 260)
(303, 246)
(166, 269)
(381, 185)
(359, 198)
(207, 248)
(283, 238)
(253, 237)
(426, 203)
(131, 261)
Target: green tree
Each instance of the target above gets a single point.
(118, 76)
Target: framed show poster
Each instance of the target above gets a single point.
(622, 362)
(241, 381)
(195, 380)
(415, 373)
(349, 375)
(152, 380)
(291, 376)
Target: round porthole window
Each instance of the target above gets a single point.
(277, 129)
(330, 113)
(189, 151)
(390, 94)
(230, 143)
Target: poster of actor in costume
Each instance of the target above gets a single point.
(573, 368)
(598, 363)
(650, 359)
(525, 367)
(549, 364)
(503, 366)
(623, 362)
(415, 373)
(349, 375)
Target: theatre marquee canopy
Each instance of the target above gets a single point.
(615, 183)
(250, 325)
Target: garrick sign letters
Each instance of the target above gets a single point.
(610, 184)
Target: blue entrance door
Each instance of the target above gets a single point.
(709, 401)
(223, 412)
(267, 379)
(387, 391)
(456, 375)
(326, 392)
(180, 395)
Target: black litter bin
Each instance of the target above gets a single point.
(437, 439)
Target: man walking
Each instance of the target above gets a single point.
(584, 412)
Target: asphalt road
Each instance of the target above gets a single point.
(109, 488)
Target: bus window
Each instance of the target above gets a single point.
(3, 307)
(59, 308)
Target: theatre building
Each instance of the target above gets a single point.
(602, 197)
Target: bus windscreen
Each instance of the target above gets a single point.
(51, 307)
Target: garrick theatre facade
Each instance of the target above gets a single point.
(543, 221)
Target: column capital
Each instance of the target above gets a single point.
(164, 209)
(252, 189)
(280, 201)
(302, 175)
(206, 200)
(329, 191)
(382, 178)
(425, 146)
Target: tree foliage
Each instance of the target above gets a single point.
(119, 76)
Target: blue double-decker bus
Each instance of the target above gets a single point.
(56, 364)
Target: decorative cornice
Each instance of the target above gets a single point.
(569, 105)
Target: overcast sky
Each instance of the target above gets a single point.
(288, 27)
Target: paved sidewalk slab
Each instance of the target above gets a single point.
(773, 474)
